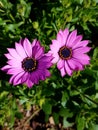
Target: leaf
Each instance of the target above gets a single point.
(47, 107)
(66, 124)
(56, 118)
(65, 98)
(93, 126)
(80, 123)
(64, 112)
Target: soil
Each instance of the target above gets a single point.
(34, 119)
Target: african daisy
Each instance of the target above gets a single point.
(27, 63)
(69, 52)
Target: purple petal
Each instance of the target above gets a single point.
(80, 43)
(76, 41)
(14, 63)
(81, 50)
(15, 71)
(47, 73)
(82, 58)
(75, 64)
(36, 43)
(6, 68)
(55, 58)
(60, 64)
(27, 46)
(46, 58)
(29, 83)
(21, 41)
(20, 50)
(55, 46)
(42, 77)
(44, 62)
(35, 77)
(84, 43)
(25, 77)
(72, 64)
(34, 50)
(65, 36)
(9, 56)
(68, 69)
(39, 53)
(63, 73)
(62, 37)
(71, 38)
(16, 79)
(14, 54)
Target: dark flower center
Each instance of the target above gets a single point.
(29, 64)
(65, 53)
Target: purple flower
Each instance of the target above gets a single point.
(69, 52)
(27, 63)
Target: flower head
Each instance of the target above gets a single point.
(69, 52)
(27, 63)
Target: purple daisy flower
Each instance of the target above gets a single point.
(27, 63)
(69, 52)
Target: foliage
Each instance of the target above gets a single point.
(74, 99)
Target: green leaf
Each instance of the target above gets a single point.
(93, 126)
(64, 112)
(66, 124)
(56, 118)
(47, 107)
(81, 123)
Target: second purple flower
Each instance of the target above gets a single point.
(69, 52)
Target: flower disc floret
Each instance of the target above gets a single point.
(65, 53)
(29, 64)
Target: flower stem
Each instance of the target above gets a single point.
(35, 113)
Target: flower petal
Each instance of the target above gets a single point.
(14, 70)
(36, 43)
(6, 68)
(20, 50)
(25, 77)
(71, 38)
(81, 50)
(9, 56)
(47, 73)
(83, 59)
(55, 58)
(68, 69)
(34, 77)
(83, 43)
(76, 42)
(14, 54)
(29, 83)
(63, 73)
(27, 46)
(16, 79)
(62, 37)
(75, 64)
(14, 63)
(60, 64)
(39, 53)
(55, 46)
